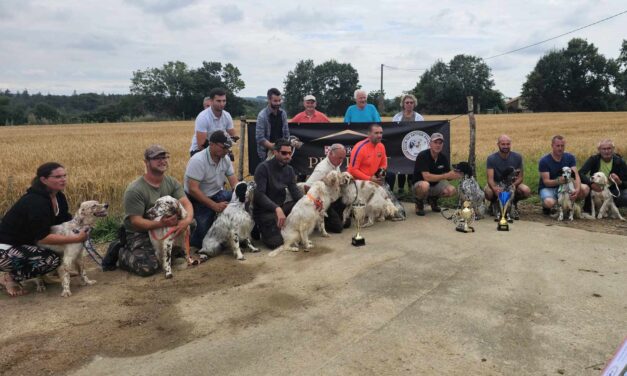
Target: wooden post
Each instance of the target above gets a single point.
(242, 147)
(473, 128)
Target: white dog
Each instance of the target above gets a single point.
(163, 239)
(233, 225)
(85, 217)
(603, 202)
(378, 206)
(309, 211)
(564, 202)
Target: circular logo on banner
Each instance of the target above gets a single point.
(413, 143)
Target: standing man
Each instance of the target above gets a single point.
(212, 118)
(614, 168)
(271, 124)
(361, 112)
(310, 115)
(550, 167)
(332, 162)
(205, 175)
(432, 171)
(368, 157)
(138, 256)
(272, 178)
(496, 165)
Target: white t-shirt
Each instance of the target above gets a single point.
(209, 174)
(207, 122)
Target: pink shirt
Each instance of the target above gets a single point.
(318, 117)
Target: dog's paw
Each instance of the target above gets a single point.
(41, 287)
(274, 253)
(254, 249)
(241, 258)
(66, 293)
(86, 281)
(325, 234)
(309, 244)
(293, 249)
(168, 275)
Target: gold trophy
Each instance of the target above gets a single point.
(504, 201)
(359, 212)
(466, 216)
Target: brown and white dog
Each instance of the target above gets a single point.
(603, 202)
(72, 254)
(378, 205)
(163, 239)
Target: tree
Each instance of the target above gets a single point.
(621, 72)
(45, 113)
(331, 82)
(443, 88)
(576, 78)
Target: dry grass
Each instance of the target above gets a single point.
(103, 158)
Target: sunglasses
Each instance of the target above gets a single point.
(283, 152)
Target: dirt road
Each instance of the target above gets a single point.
(419, 299)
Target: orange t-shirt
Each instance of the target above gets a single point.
(366, 159)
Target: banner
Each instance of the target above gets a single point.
(403, 141)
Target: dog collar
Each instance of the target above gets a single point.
(317, 202)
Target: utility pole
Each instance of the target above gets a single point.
(381, 99)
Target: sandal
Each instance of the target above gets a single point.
(14, 289)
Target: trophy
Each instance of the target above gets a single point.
(359, 212)
(465, 217)
(504, 201)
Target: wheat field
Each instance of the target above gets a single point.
(101, 159)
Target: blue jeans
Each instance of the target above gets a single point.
(204, 217)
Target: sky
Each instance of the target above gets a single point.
(63, 46)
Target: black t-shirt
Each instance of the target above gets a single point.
(276, 125)
(424, 163)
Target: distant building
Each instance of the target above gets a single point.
(516, 104)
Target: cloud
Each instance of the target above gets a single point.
(230, 13)
(97, 43)
(299, 19)
(161, 6)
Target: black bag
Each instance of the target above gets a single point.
(110, 260)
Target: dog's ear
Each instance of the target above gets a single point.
(240, 191)
(151, 213)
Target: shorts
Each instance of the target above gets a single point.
(438, 189)
(548, 193)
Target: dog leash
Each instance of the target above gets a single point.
(616, 185)
(91, 251)
(188, 254)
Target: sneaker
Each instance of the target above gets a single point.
(420, 208)
(514, 213)
(433, 201)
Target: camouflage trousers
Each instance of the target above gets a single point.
(138, 256)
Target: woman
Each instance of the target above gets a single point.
(28, 222)
(408, 103)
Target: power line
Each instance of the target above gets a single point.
(405, 69)
(559, 36)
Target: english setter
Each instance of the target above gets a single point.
(233, 225)
(163, 239)
(309, 211)
(378, 205)
(469, 190)
(603, 202)
(85, 217)
(564, 202)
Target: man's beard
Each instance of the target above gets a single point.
(504, 150)
(275, 106)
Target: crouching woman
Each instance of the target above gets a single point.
(28, 222)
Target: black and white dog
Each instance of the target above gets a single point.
(469, 190)
(509, 176)
(233, 225)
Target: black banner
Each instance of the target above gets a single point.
(403, 141)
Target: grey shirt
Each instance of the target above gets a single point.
(499, 164)
(210, 175)
(262, 130)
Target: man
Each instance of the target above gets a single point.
(368, 157)
(550, 167)
(138, 256)
(272, 178)
(332, 162)
(432, 171)
(361, 112)
(614, 167)
(205, 175)
(496, 165)
(206, 102)
(212, 118)
(271, 124)
(310, 115)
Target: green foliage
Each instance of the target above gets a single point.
(443, 88)
(106, 229)
(331, 82)
(576, 78)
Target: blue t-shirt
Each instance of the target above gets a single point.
(553, 167)
(368, 115)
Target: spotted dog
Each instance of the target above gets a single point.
(564, 202)
(469, 190)
(603, 202)
(163, 239)
(86, 216)
(233, 225)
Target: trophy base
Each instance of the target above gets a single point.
(358, 241)
(464, 228)
(502, 227)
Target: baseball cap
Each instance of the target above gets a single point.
(309, 98)
(437, 136)
(153, 151)
(218, 137)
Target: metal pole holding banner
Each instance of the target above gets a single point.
(473, 128)
(242, 144)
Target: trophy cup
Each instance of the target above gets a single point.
(465, 218)
(504, 200)
(359, 212)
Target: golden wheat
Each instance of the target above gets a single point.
(102, 159)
